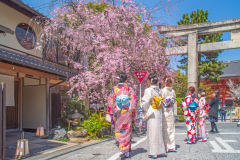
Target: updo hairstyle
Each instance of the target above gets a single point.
(153, 78)
(122, 77)
(202, 93)
(191, 89)
(167, 79)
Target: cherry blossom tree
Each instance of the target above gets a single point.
(117, 39)
(234, 89)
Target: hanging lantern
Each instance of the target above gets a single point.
(22, 149)
(40, 131)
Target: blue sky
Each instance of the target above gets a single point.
(218, 10)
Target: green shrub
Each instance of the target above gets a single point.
(62, 139)
(78, 105)
(181, 118)
(179, 101)
(94, 124)
(179, 111)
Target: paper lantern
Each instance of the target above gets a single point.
(40, 131)
(22, 149)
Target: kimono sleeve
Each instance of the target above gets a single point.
(148, 114)
(202, 103)
(197, 103)
(133, 99)
(146, 99)
(146, 102)
(174, 95)
(111, 101)
(185, 106)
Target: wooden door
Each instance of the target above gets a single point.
(56, 107)
(12, 111)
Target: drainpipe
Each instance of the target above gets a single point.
(64, 79)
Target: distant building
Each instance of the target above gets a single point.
(29, 74)
(231, 72)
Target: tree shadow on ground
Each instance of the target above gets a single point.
(136, 152)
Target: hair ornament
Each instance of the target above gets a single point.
(166, 80)
(151, 80)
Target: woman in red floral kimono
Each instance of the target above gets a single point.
(122, 103)
(190, 109)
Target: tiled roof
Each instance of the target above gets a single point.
(19, 4)
(233, 69)
(28, 8)
(34, 63)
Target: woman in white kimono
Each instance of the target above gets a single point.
(152, 106)
(169, 98)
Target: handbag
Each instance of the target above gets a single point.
(108, 118)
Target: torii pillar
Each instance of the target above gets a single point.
(193, 48)
(192, 69)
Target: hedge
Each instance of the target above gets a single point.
(179, 111)
(181, 118)
(179, 101)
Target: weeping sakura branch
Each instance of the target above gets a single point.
(117, 39)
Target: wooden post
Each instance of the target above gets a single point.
(231, 115)
(47, 107)
(2, 120)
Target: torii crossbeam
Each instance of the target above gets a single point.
(192, 31)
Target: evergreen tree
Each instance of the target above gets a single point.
(180, 85)
(208, 65)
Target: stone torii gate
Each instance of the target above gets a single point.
(192, 31)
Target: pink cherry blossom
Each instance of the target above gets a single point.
(116, 40)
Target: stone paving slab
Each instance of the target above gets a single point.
(200, 150)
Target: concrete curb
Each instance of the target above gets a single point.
(64, 151)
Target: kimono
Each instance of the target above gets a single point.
(122, 114)
(201, 124)
(169, 97)
(153, 117)
(190, 109)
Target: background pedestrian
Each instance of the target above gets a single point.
(213, 111)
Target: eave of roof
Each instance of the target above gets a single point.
(23, 8)
(30, 62)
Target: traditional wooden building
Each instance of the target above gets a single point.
(27, 72)
(231, 72)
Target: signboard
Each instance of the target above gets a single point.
(140, 75)
(237, 112)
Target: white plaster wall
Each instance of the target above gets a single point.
(9, 80)
(30, 82)
(34, 106)
(10, 18)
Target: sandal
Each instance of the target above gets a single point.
(154, 157)
(203, 140)
(162, 155)
(127, 155)
(122, 154)
(171, 150)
